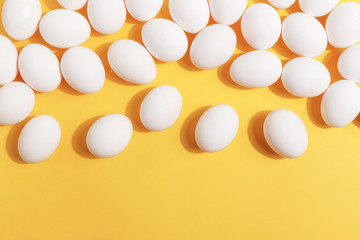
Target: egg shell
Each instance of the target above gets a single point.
(21, 18)
(63, 28)
(281, 4)
(72, 4)
(227, 11)
(39, 139)
(143, 10)
(343, 25)
(161, 108)
(261, 26)
(304, 35)
(349, 63)
(39, 68)
(340, 104)
(17, 101)
(8, 60)
(109, 135)
(305, 77)
(132, 62)
(213, 46)
(256, 69)
(83, 70)
(106, 16)
(164, 39)
(317, 8)
(286, 133)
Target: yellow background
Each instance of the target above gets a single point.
(162, 187)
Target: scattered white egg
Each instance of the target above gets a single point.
(317, 8)
(8, 60)
(17, 101)
(132, 62)
(304, 35)
(109, 135)
(213, 46)
(256, 69)
(63, 28)
(340, 104)
(190, 15)
(349, 63)
(286, 133)
(227, 11)
(143, 10)
(161, 108)
(72, 4)
(282, 4)
(39, 139)
(305, 77)
(39, 68)
(261, 26)
(83, 70)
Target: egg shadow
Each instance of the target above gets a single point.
(185, 62)
(51, 4)
(356, 121)
(330, 60)
(279, 89)
(313, 107)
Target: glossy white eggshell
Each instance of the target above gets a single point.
(281, 4)
(143, 10)
(72, 4)
(227, 11)
(317, 8)
(349, 63)
(8, 60)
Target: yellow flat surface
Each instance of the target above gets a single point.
(162, 187)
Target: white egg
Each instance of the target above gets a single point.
(190, 15)
(39, 139)
(227, 11)
(343, 25)
(17, 101)
(216, 128)
(83, 70)
(261, 26)
(39, 68)
(164, 39)
(8, 60)
(281, 4)
(72, 4)
(143, 10)
(106, 16)
(305, 77)
(256, 69)
(340, 104)
(304, 35)
(21, 18)
(317, 8)
(161, 108)
(64, 28)
(132, 62)
(286, 133)
(109, 135)
(213, 46)
(349, 63)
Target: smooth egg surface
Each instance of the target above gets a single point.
(349, 63)
(227, 11)
(143, 10)
(72, 4)
(281, 4)
(8, 60)
(317, 8)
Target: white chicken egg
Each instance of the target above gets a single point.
(213, 46)
(282, 4)
(8, 60)
(286, 133)
(305, 77)
(63, 28)
(349, 63)
(227, 11)
(261, 26)
(39, 139)
(340, 104)
(161, 108)
(143, 10)
(317, 8)
(21, 18)
(132, 62)
(109, 135)
(72, 4)
(83, 70)
(17, 101)
(39, 68)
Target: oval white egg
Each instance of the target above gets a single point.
(340, 104)
(227, 11)
(256, 69)
(39, 139)
(216, 128)
(21, 18)
(286, 133)
(213, 46)
(63, 28)
(349, 63)
(317, 8)
(109, 135)
(83, 70)
(261, 26)
(132, 62)
(282, 4)
(39, 68)
(72, 4)
(106, 16)
(161, 108)
(8, 60)
(305, 77)
(17, 101)
(304, 35)
(343, 25)
(143, 10)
